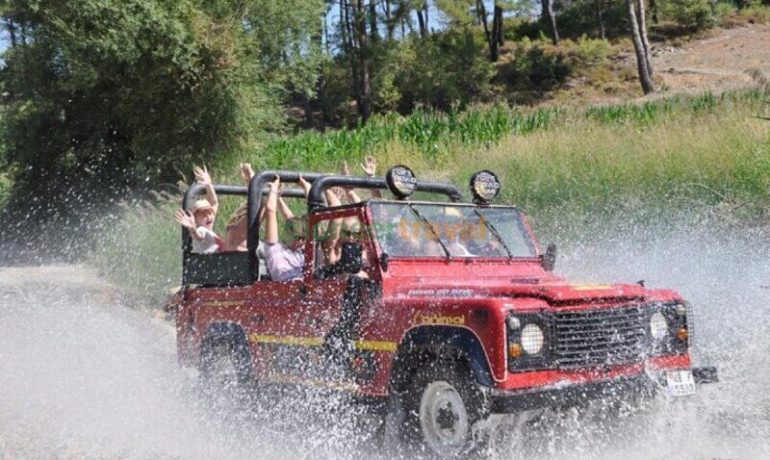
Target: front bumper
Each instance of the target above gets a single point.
(509, 401)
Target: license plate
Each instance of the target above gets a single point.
(680, 383)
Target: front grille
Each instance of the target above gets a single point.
(599, 337)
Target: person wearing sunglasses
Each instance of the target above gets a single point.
(285, 262)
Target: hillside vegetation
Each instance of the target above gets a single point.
(567, 168)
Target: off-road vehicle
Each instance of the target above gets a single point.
(442, 311)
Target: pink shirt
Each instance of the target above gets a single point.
(283, 264)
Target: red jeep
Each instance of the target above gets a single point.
(443, 311)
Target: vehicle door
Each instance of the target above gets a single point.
(323, 315)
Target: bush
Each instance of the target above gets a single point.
(536, 68)
(589, 52)
(580, 18)
(695, 14)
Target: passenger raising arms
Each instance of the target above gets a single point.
(199, 220)
(284, 262)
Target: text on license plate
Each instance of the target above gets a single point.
(680, 383)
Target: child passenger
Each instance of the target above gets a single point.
(199, 220)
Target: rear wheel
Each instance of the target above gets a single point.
(441, 409)
(225, 371)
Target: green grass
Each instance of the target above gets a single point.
(567, 168)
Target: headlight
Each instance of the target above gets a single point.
(532, 338)
(658, 326)
(514, 323)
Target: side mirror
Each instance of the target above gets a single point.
(351, 258)
(549, 258)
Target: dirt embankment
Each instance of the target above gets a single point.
(717, 63)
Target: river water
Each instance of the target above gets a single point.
(82, 375)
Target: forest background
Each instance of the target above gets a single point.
(105, 105)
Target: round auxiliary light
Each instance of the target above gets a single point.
(401, 181)
(680, 309)
(514, 323)
(658, 326)
(484, 186)
(532, 338)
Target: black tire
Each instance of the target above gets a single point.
(440, 409)
(225, 371)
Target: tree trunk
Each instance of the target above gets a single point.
(547, 14)
(421, 22)
(600, 18)
(362, 55)
(498, 25)
(389, 23)
(641, 61)
(373, 32)
(654, 11)
(643, 35)
(481, 12)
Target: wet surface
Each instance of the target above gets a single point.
(84, 376)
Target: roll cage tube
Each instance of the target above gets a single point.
(315, 198)
(197, 190)
(259, 182)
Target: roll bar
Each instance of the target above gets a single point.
(259, 182)
(196, 190)
(320, 183)
(316, 200)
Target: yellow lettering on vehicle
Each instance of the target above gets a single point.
(222, 303)
(591, 287)
(288, 340)
(363, 345)
(437, 318)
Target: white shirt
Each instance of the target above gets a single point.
(283, 264)
(208, 243)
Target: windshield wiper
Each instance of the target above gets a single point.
(494, 231)
(432, 230)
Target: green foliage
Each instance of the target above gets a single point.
(579, 17)
(626, 159)
(446, 69)
(695, 14)
(535, 67)
(140, 249)
(105, 96)
(589, 52)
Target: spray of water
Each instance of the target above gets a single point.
(84, 376)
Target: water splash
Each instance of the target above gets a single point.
(83, 376)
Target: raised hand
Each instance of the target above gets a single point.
(305, 185)
(185, 219)
(202, 175)
(275, 185)
(345, 168)
(272, 198)
(246, 172)
(369, 165)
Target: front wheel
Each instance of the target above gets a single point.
(442, 407)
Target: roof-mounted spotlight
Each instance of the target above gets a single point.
(401, 181)
(484, 186)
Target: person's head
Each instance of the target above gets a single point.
(204, 214)
(237, 229)
(352, 232)
(295, 232)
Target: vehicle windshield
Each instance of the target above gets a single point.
(450, 230)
